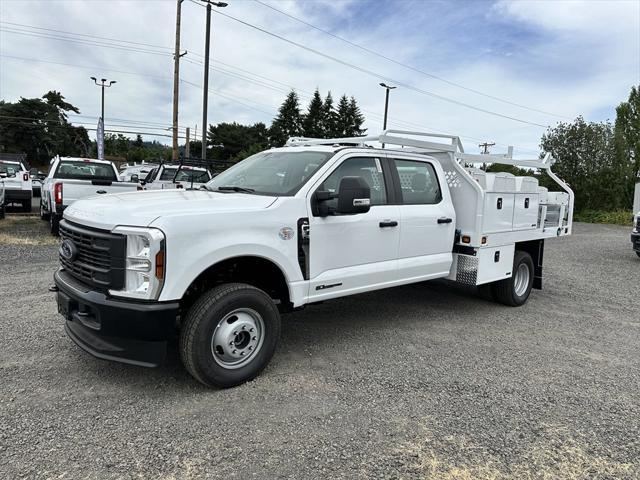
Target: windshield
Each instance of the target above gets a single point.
(185, 175)
(82, 170)
(10, 169)
(270, 173)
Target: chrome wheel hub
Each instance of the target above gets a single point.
(237, 338)
(521, 280)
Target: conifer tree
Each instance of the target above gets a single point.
(313, 122)
(288, 123)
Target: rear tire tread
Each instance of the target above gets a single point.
(504, 289)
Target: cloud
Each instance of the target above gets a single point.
(567, 58)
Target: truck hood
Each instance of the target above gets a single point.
(142, 208)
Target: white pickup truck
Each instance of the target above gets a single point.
(176, 176)
(71, 179)
(17, 184)
(287, 227)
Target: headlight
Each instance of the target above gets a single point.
(145, 261)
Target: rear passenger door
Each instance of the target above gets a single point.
(427, 220)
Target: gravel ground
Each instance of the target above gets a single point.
(422, 381)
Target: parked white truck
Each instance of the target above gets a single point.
(71, 179)
(169, 176)
(17, 184)
(309, 222)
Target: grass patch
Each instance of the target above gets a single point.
(559, 454)
(616, 217)
(25, 231)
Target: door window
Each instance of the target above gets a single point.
(370, 169)
(418, 182)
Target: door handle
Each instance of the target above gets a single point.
(445, 220)
(101, 192)
(388, 223)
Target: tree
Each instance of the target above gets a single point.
(342, 117)
(313, 122)
(39, 128)
(329, 118)
(627, 142)
(229, 139)
(288, 123)
(585, 159)
(354, 128)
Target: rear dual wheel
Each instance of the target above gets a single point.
(515, 291)
(229, 335)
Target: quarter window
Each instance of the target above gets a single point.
(370, 169)
(418, 182)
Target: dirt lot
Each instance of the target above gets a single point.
(424, 381)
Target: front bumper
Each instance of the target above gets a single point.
(123, 331)
(635, 241)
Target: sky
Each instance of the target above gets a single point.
(498, 71)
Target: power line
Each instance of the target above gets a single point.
(430, 75)
(377, 75)
(149, 134)
(302, 92)
(361, 69)
(85, 35)
(83, 41)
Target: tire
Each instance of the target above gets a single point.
(515, 291)
(43, 215)
(210, 347)
(638, 253)
(54, 224)
(2, 212)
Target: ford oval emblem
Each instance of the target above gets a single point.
(68, 250)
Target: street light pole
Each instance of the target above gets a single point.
(386, 105)
(103, 85)
(205, 97)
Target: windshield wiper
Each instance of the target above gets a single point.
(236, 189)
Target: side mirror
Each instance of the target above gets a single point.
(134, 178)
(354, 196)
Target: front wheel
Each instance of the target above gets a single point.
(514, 291)
(229, 335)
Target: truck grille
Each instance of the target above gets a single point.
(97, 258)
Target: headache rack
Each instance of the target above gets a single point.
(497, 205)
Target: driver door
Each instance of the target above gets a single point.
(353, 253)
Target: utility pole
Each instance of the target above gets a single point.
(187, 147)
(103, 83)
(386, 105)
(176, 79)
(205, 97)
(485, 151)
(485, 147)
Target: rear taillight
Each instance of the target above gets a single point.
(57, 193)
(25, 177)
